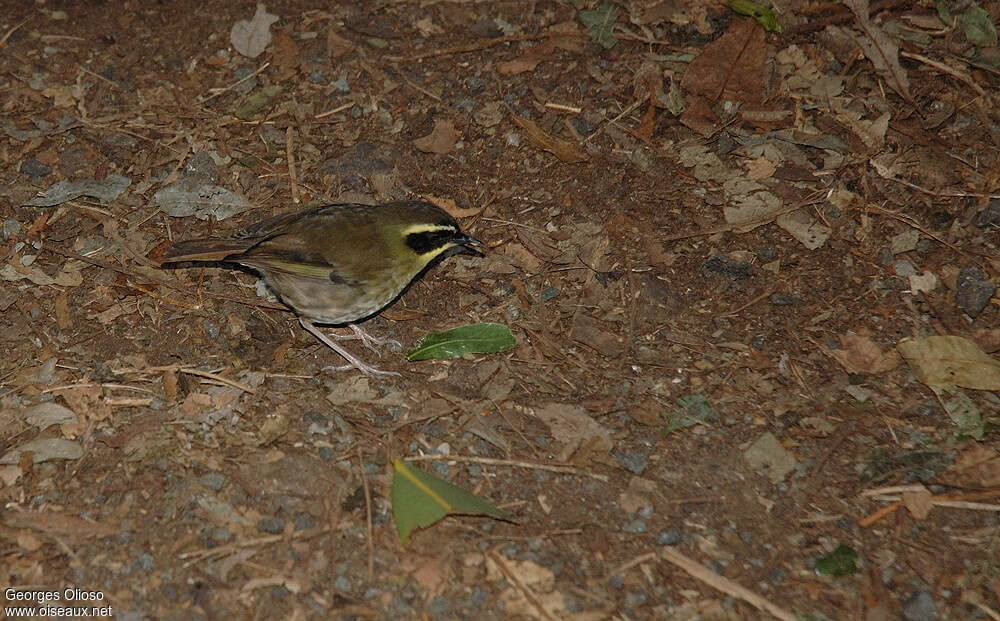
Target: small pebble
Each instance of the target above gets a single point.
(271, 525)
(783, 299)
(213, 480)
(633, 461)
(973, 291)
(904, 268)
(670, 537)
(635, 526)
(11, 227)
(920, 607)
(474, 83)
(990, 215)
(211, 329)
(549, 293)
(720, 264)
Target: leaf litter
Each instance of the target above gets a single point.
(623, 163)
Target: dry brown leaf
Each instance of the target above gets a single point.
(337, 45)
(529, 58)
(449, 205)
(563, 149)
(285, 56)
(441, 140)
(57, 524)
(861, 355)
(977, 466)
(880, 49)
(251, 37)
(951, 361)
(731, 67)
(919, 503)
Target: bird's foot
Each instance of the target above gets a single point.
(371, 342)
(354, 362)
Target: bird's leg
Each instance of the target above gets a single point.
(332, 344)
(371, 341)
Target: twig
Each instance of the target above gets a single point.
(748, 224)
(639, 560)
(909, 221)
(562, 108)
(597, 132)
(368, 515)
(946, 69)
(490, 461)
(721, 583)
(346, 106)
(220, 91)
(3, 41)
(198, 555)
(739, 310)
(482, 44)
(521, 588)
(290, 156)
(189, 371)
(878, 515)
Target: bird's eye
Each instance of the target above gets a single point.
(428, 241)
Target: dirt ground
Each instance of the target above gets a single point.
(751, 276)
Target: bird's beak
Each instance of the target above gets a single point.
(470, 244)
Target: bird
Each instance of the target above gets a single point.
(337, 264)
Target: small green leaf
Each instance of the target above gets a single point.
(694, 409)
(840, 562)
(600, 22)
(478, 338)
(978, 27)
(763, 15)
(253, 104)
(420, 499)
(944, 13)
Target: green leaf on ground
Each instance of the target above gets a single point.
(694, 409)
(600, 22)
(479, 338)
(420, 499)
(978, 27)
(253, 104)
(841, 562)
(761, 14)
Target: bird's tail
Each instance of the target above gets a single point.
(201, 250)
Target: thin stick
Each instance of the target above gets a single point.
(748, 304)
(346, 106)
(523, 589)
(6, 36)
(368, 515)
(218, 378)
(946, 69)
(752, 224)
(489, 461)
(198, 555)
(189, 371)
(721, 583)
(290, 155)
(234, 85)
(913, 223)
(597, 132)
(639, 560)
(878, 515)
(482, 44)
(562, 108)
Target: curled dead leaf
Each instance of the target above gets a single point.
(563, 149)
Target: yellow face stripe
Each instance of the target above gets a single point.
(426, 228)
(427, 257)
